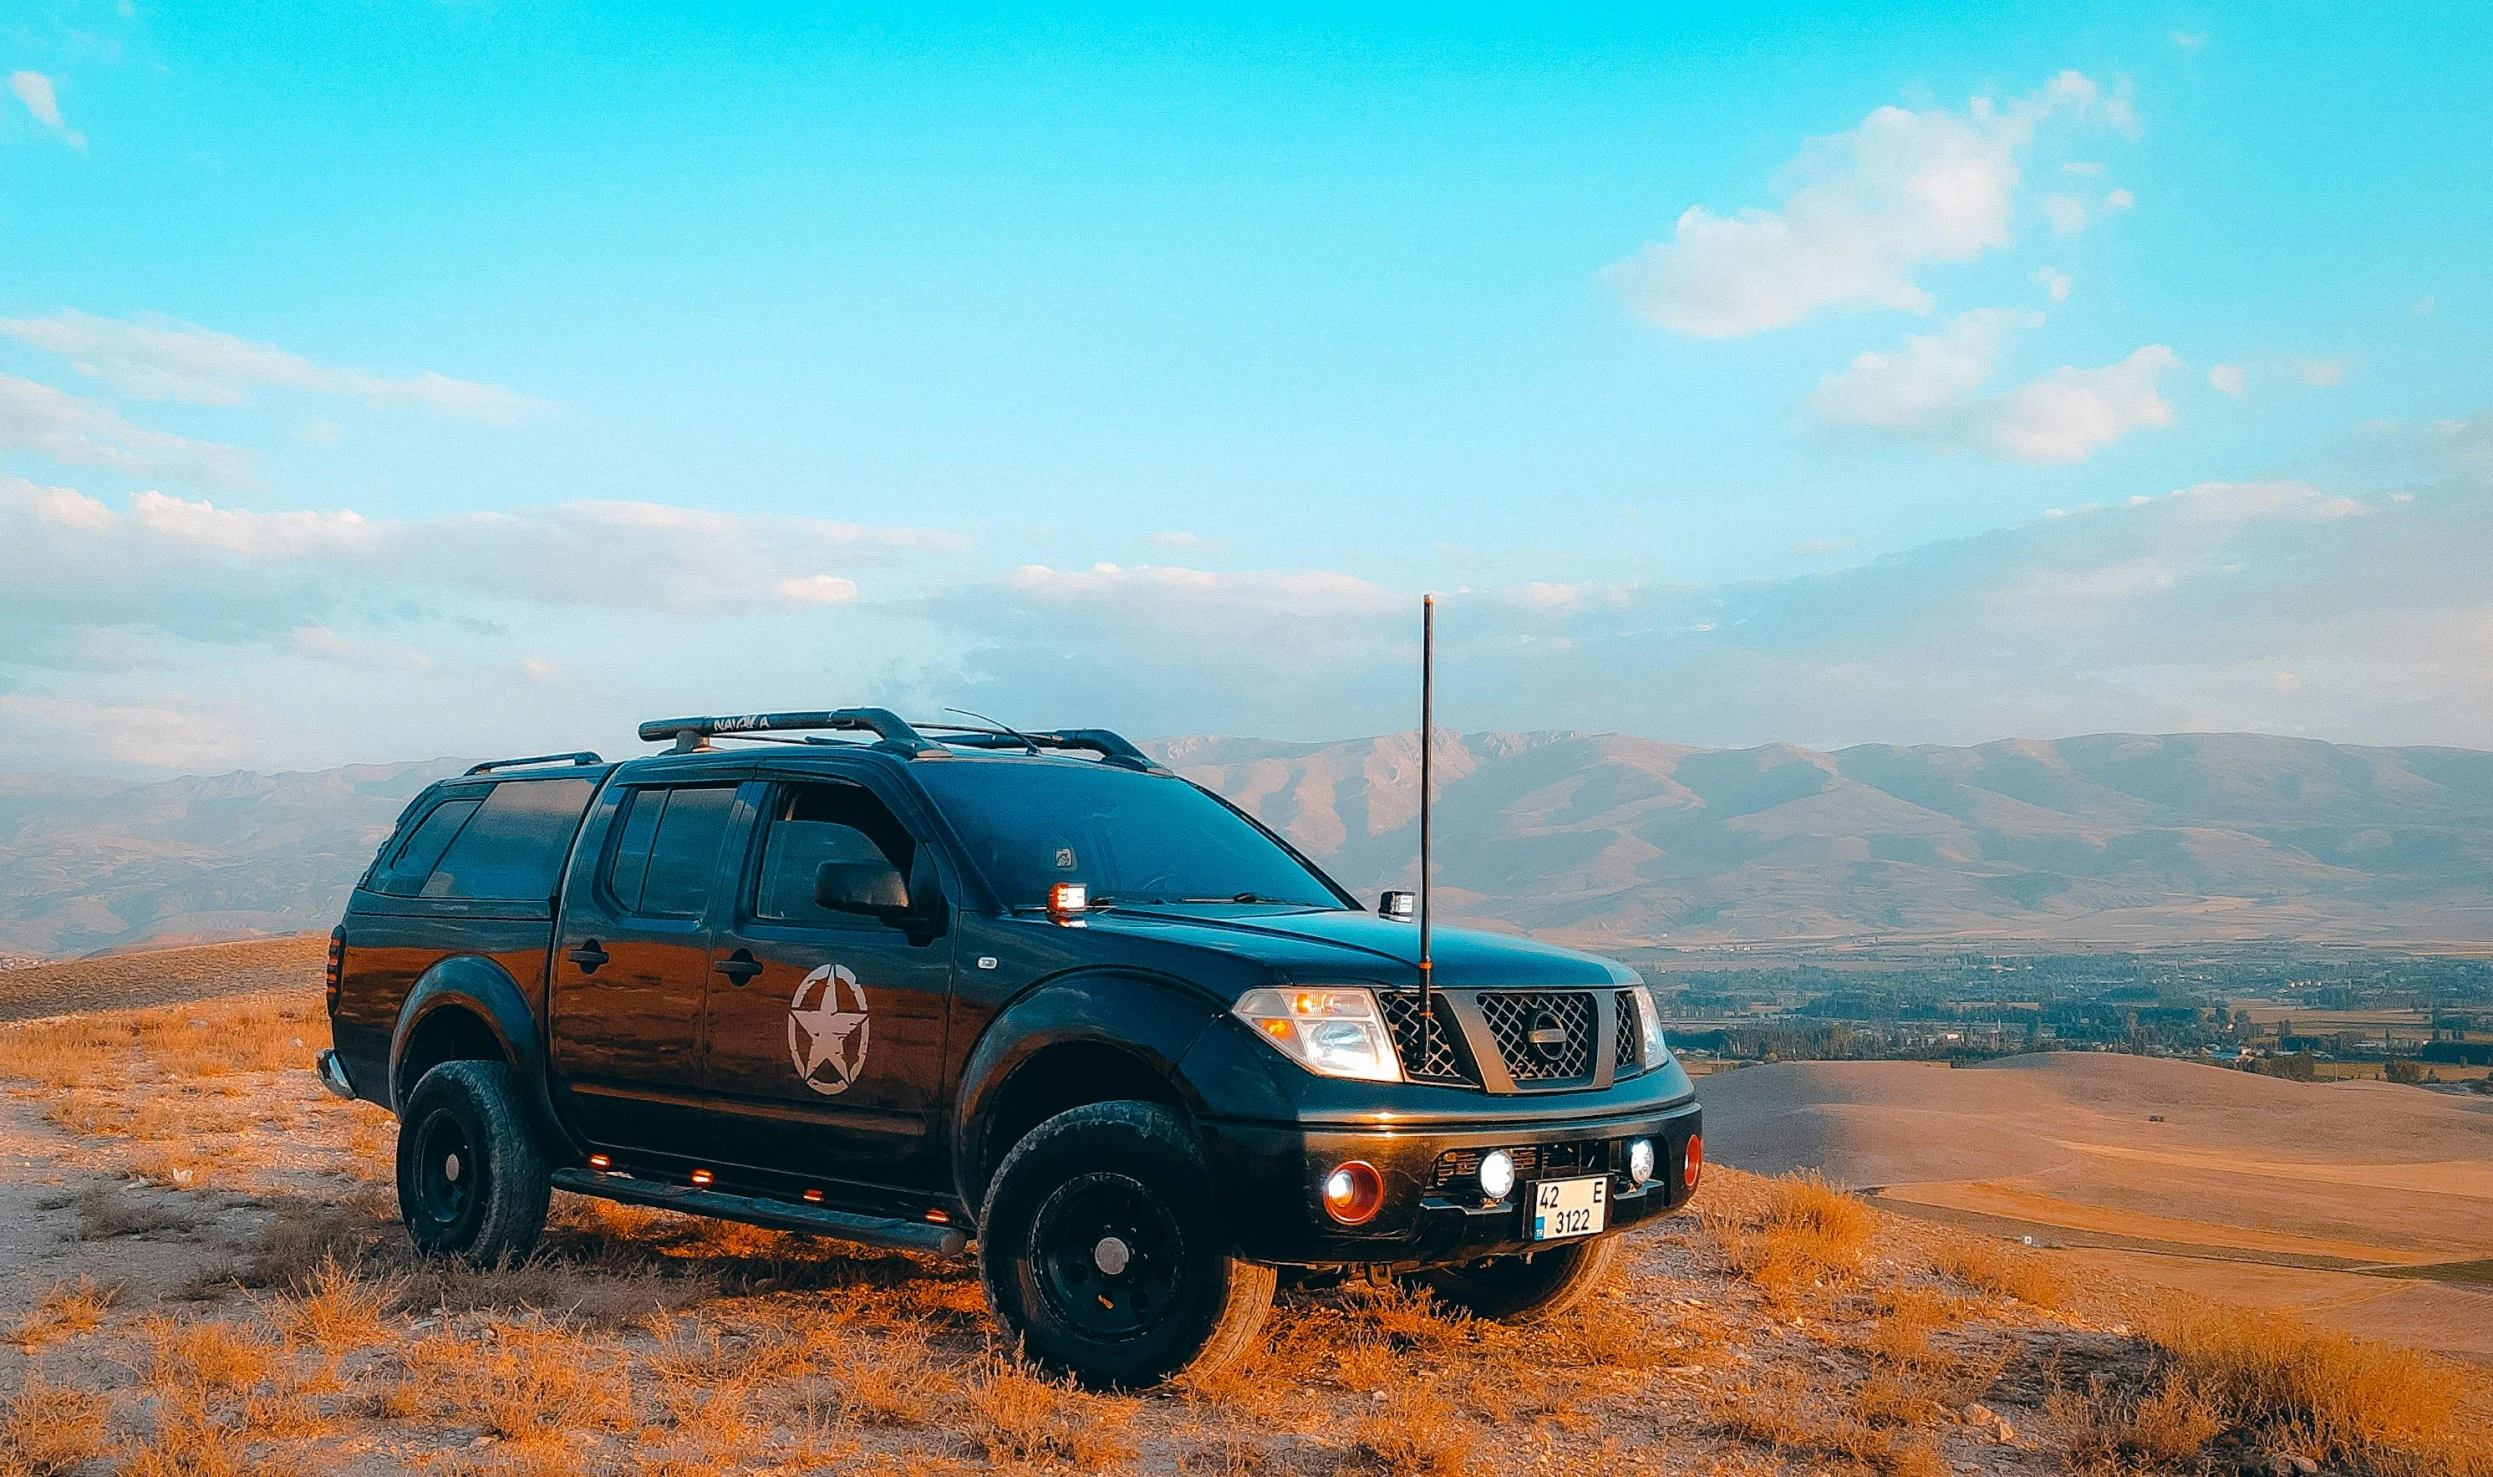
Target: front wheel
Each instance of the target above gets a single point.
(1102, 1248)
(472, 1182)
(1525, 1289)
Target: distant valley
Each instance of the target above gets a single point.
(1600, 839)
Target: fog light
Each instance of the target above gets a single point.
(1497, 1175)
(1354, 1193)
(1640, 1161)
(1695, 1160)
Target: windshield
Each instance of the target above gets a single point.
(1132, 838)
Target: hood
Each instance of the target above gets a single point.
(1314, 946)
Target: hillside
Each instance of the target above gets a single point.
(1602, 839)
(2113, 838)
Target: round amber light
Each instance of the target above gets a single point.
(1694, 1159)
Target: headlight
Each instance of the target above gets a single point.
(1332, 1031)
(1649, 1018)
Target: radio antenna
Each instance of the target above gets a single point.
(1428, 701)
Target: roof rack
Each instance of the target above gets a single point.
(896, 734)
(891, 731)
(575, 757)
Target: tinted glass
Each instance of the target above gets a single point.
(1134, 838)
(413, 862)
(630, 863)
(813, 824)
(513, 847)
(684, 852)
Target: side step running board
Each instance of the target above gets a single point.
(778, 1215)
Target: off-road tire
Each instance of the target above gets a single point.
(1512, 1289)
(472, 1180)
(1100, 1171)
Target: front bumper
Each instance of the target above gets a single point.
(1271, 1177)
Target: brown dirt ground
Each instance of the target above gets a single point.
(163, 976)
(202, 1272)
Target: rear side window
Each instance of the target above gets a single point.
(667, 850)
(512, 848)
(404, 868)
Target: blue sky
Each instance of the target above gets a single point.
(403, 379)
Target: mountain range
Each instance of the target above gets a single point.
(1599, 839)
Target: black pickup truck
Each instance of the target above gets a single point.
(914, 985)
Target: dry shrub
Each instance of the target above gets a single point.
(882, 1383)
(1808, 1233)
(1017, 1415)
(334, 1309)
(47, 1429)
(1905, 1319)
(1788, 1412)
(514, 1380)
(1995, 1267)
(106, 1211)
(2372, 1407)
(1417, 1434)
(2109, 1430)
(65, 1308)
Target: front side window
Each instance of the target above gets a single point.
(667, 850)
(813, 824)
(1132, 838)
(512, 848)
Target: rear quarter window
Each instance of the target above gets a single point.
(408, 857)
(512, 847)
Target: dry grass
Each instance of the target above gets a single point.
(2000, 1269)
(47, 1430)
(1791, 1412)
(1418, 1434)
(509, 1380)
(65, 1308)
(1015, 1414)
(1806, 1235)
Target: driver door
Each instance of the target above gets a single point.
(826, 1029)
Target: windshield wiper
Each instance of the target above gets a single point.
(1242, 897)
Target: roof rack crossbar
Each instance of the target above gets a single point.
(1112, 748)
(576, 757)
(891, 731)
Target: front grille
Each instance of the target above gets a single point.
(1460, 1168)
(1630, 1031)
(1425, 1043)
(1513, 1015)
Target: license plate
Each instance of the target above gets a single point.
(1563, 1208)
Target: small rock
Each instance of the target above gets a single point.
(2007, 1433)
(2305, 1466)
(1977, 1415)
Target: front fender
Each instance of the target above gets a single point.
(484, 989)
(1150, 1019)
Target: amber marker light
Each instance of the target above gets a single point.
(1695, 1160)
(700, 1176)
(813, 1197)
(939, 1218)
(1354, 1193)
(600, 1163)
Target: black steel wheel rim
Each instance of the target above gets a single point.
(446, 1170)
(1108, 1256)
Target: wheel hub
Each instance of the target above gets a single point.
(1107, 1252)
(1111, 1255)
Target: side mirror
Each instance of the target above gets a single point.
(874, 889)
(1402, 905)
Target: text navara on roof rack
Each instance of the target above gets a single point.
(919, 985)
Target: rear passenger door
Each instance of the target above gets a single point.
(827, 1028)
(633, 966)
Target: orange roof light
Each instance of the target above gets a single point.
(1068, 897)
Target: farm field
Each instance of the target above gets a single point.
(2362, 1205)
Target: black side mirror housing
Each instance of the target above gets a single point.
(875, 889)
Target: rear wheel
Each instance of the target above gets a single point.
(472, 1181)
(1102, 1249)
(1524, 1289)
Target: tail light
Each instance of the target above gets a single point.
(336, 968)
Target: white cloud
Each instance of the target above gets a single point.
(199, 570)
(2069, 215)
(2188, 40)
(61, 426)
(2055, 282)
(2226, 379)
(163, 732)
(159, 358)
(1930, 391)
(1861, 211)
(2321, 374)
(43, 103)
(325, 645)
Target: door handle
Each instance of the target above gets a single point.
(588, 956)
(739, 967)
